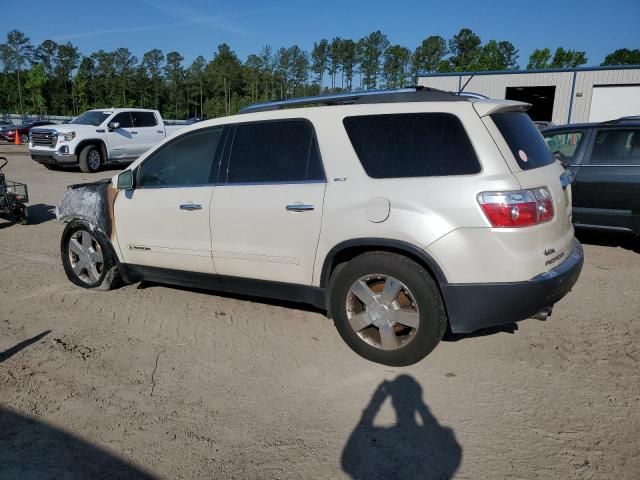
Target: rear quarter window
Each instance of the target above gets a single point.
(525, 141)
(412, 145)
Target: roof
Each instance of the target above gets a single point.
(520, 72)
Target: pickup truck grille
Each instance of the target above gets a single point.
(45, 138)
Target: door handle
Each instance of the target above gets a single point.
(135, 133)
(190, 206)
(299, 207)
(159, 131)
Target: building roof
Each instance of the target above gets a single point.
(543, 70)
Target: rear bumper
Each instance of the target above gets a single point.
(53, 157)
(479, 305)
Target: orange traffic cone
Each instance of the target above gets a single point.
(16, 140)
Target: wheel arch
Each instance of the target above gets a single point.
(93, 141)
(82, 222)
(349, 249)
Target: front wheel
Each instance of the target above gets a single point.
(87, 258)
(387, 308)
(90, 159)
(24, 138)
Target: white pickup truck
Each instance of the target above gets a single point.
(98, 137)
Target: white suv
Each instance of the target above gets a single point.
(401, 213)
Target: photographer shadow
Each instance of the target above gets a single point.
(417, 446)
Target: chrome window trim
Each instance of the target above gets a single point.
(248, 184)
(605, 165)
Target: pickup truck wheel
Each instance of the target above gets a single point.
(387, 308)
(87, 258)
(90, 159)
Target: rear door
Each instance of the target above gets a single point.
(607, 183)
(147, 130)
(267, 206)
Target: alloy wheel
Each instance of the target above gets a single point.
(86, 257)
(382, 311)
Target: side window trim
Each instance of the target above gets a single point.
(223, 177)
(166, 145)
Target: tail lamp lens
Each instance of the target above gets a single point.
(522, 208)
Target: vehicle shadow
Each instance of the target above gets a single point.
(483, 332)
(421, 449)
(40, 213)
(609, 239)
(10, 352)
(30, 449)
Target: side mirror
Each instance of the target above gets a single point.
(125, 180)
(113, 126)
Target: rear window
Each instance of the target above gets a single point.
(524, 139)
(412, 145)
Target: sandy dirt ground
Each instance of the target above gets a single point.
(151, 381)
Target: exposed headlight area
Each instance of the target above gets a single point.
(66, 137)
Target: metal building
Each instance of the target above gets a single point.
(570, 95)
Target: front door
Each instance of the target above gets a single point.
(607, 184)
(121, 141)
(164, 221)
(267, 209)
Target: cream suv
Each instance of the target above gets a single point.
(402, 213)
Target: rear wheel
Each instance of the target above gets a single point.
(87, 258)
(90, 159)
(24, 138)
(387, 308)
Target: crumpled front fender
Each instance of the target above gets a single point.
(91, 203)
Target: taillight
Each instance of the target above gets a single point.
(522, 208)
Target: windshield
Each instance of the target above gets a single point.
(92, 117)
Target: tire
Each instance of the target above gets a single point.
(90, 159)
(396, 332)
(24, 138)
(94, 266)
(22, 216)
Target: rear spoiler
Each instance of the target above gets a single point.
(489, 106)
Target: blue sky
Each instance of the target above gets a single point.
(196, 27)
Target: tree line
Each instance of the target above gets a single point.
(57, 79)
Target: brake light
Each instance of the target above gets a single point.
(517, 209)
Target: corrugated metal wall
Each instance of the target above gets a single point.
(495, 85)
(585, 83)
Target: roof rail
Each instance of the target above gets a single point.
(409, 94)
(477, 96)
(629, 118)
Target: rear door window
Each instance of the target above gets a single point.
(524, 140)
(412, 145)
(564, 145)
(616, 147)
(275, 152)
(144, 119)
